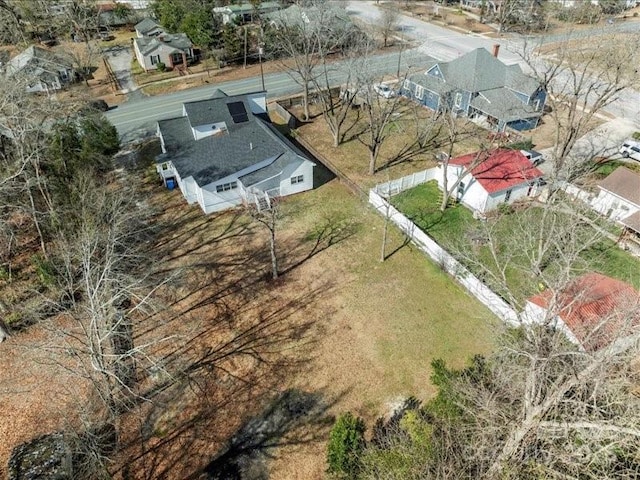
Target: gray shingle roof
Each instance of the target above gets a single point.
(478, 70)
(296, 15)
(503, 104)
(146, 25)
(432, 83)
(177, 41)
(39, 63)
(215, 157)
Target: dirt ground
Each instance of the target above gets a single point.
(339, 331)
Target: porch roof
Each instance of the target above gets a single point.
(502, 104)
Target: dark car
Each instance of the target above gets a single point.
(98, 105)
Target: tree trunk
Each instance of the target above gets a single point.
(272, 246)
(4, 331)
(305, 101)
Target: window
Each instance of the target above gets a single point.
(458, 100)
(419, 92)
(407, 84)
(298, 179)
(155, 59)
(225, 187)
(537, 104)
(165, 166)
(507, 196)
(461, 186)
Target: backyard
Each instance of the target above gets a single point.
(339, 326)
(455, 229)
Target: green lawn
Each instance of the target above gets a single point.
(422, 205)
(455, 226)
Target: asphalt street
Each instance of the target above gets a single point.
(137, 117)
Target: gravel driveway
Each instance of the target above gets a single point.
(119, 57)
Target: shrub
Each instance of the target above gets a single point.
(636, 135)
(346, 443)
(161, 67)
(44, 269)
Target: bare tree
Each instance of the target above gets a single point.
(379, 112)
(336, 108)
(305, 40)
(580, 83)
(389, 21)
(266, 212)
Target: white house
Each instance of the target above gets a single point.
(593, 310)
(43, 69)
(173, 50)
(244, 12)
(490, 178)
(224, 151)
(619, 195)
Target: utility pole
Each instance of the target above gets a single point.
(260, 53)
(245, 46)
(401, 46)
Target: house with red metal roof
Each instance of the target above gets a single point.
(593, 310)
(487, 178)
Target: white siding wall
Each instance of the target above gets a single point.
(257, 103)
(474, 196)
(203, 131)
(619, 207)
(304, 168)
(517, 193)
(143, 61)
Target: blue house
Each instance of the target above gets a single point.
(481, 87)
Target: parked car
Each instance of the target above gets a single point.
(631, 149)
(384, 90)
(535, 157)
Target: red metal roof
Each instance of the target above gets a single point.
(596, 308)
(499, 169)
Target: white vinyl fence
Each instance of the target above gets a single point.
(398, 185)
(425, 243)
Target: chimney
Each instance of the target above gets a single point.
(496, 49)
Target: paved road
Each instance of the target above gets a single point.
(137, 117)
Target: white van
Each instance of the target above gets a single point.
(631, 149)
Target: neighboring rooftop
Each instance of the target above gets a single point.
(479, 70)
(624, 183)
(596, 308)
(146, 25)
(499, 169)
(177, 41)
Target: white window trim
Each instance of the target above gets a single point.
(225, 187)
(156, 58)
(407, 84)
(457, 102)
(297, 179)
(419, 92)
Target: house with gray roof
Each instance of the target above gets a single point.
(148, 27)
(42, 69)
(224, 151)
(244, 12)
(171, 49)
(479, 86)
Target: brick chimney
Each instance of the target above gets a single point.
(496, 49)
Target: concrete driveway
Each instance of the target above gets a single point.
(119, 57)
(603, 141)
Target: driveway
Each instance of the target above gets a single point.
(119, 57)
(603, 141)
